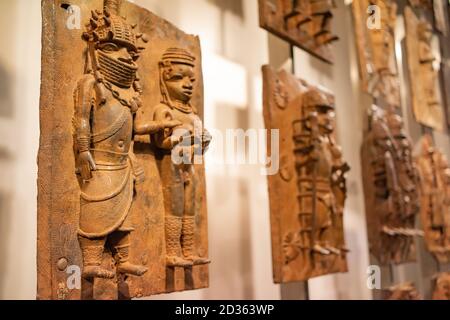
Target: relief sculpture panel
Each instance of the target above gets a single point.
(303, 23)
(390, 187)
(120, 195)
(423, 67)
(376, 51)
(435, 198)
(307, 195)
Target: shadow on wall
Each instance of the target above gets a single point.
(6, 110)
(5, 219)
(4, 154)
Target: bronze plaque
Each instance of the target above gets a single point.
(307, 195)
(303, 23)
(423, 70)
(119, 98)
(390, 188)
(376, 50)
(435, 198)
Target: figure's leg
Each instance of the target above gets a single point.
(318, 245)
(188, 230)
(328, 240)
(331, 230)
(173, 221)
(120, 242)
(320, 223)
(92, 251)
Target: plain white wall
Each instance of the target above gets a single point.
(19, 136)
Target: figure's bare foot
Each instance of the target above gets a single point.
(198, 260)
(90, 272)
(319, 249)
(133, 269)
(334, 250)
(175, 261)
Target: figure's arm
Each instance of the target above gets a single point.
(153, 127)
(340, 167)
(83, 106)
(163, 138)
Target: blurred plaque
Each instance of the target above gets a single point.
(391, 181)
(376, 50)
(423, 67)
(435, 198)
(307, 195)
(303, 23)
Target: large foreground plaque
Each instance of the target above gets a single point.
(117, 216)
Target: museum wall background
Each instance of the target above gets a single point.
(234, 49)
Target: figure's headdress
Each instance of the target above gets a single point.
(395, 124)
(315, 98)
(177, 56)
(312, 100)
(388, 13)
(109, 26)
(423, 29)
(378, 125)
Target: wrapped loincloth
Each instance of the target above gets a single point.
(106, 202)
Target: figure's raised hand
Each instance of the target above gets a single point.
(169, 124)
(206, 139)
